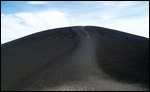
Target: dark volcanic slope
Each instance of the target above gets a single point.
(76, 58)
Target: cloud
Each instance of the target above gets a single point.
(12, 28)
(135, 25)
(18, 25)
(131, 17)
(44, 19)
(37, 2)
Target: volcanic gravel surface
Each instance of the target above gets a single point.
(78, 58)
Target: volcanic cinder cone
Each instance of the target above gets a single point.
(75, 58)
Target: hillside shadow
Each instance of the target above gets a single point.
(123, 62)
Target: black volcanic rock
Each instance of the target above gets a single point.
(76, 58)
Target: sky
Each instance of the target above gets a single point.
(22, 18)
